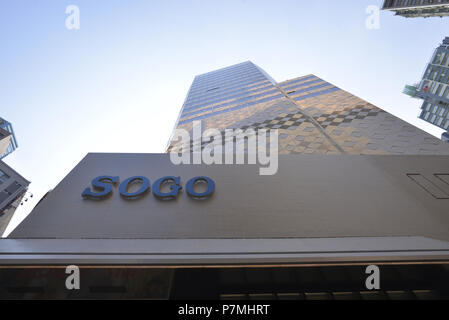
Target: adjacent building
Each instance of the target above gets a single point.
(5, 140)
(8, 141)
(12, 189)
(312, 115)
(12, 185)
(418, 8)
(434, 89)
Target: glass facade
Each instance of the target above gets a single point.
(434, 88)
(13, 144)
(312, 116)
(3, 177)
(228, 89)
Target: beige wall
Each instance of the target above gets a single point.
(311, 196)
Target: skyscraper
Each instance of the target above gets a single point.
(312, 115)
(6, 134)
(434, 88)
(418, 8)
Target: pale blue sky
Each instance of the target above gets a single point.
(118, 83)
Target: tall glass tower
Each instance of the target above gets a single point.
(228, 89)
(311, 114)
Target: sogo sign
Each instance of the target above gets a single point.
(104, 186)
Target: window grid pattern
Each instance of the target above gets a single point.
(435, 114)
(434, 88)
(228, 89)
(418, 8)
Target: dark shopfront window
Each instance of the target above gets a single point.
(310, 283)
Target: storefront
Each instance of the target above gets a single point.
(139, 226)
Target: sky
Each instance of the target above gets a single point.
(118, 83)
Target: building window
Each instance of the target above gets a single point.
(439, 58)
(446, 125)
(446, 92)
(433, 118)
(442, 76)
(439, 90)
(3, 177)
(445, 59)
